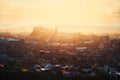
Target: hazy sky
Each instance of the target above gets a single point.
(62, 13)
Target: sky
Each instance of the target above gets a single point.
(67, 15)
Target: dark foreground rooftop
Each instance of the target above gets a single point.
(46, 75)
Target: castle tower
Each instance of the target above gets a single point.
(56, 30)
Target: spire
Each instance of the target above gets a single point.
(56, 31)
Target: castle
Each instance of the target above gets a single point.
(43, 32)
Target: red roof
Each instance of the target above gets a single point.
(92, 46)
(107, 45)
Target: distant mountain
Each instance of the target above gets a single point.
(62, 28)
(17, 29)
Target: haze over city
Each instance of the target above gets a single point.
(87, 16)
(59, 39)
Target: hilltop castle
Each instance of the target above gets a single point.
(43, 32)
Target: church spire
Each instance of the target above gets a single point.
(56, 30)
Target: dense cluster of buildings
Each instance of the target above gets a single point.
(73, 53)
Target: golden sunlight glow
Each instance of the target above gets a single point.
(67, 15)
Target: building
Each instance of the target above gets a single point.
(43, 33)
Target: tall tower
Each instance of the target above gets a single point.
(56, 30)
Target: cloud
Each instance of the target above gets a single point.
(119, 13)
(1, 7)
(64, 12)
